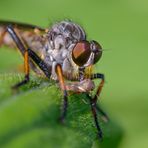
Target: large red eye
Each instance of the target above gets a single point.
(81, 53)
(97, 50)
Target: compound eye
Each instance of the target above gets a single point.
(81, 53)
(97, 50)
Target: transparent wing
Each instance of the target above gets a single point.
(31, 34)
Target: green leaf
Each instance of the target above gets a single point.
(29, 118)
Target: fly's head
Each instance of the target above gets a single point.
(86, 53)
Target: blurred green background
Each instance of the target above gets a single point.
(120, 26)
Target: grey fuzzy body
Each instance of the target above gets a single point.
(61, 39)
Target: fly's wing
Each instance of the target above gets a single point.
(31, 35)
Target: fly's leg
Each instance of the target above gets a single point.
(23, 49)
(63, 88)
(99, 89)
(26, 52)
(94, 113)
(26, 69)
(40, 63)
(92, 104)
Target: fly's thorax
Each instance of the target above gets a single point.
(68, 31)
(53, 56)
(61, 39)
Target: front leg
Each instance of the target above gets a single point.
(24, 50)
(59, 72)
(95, 98)
(99, 89)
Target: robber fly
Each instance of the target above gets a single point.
(61, 53)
